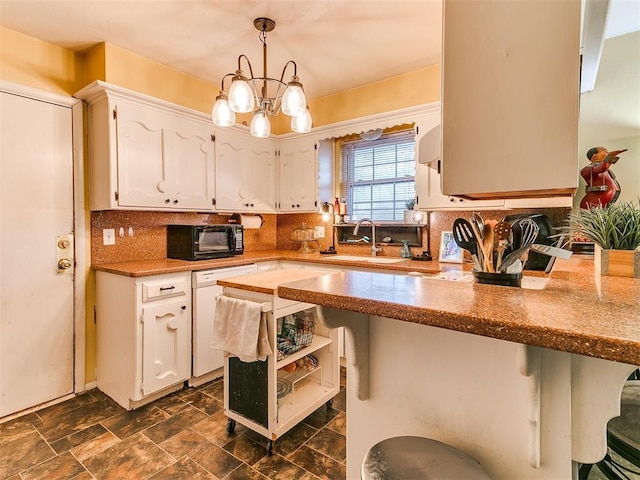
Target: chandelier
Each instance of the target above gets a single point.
(265, 96)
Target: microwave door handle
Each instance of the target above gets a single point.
(232, 240)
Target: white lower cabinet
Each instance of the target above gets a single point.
(143, 328)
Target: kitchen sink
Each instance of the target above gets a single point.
(528, 282)
(359, 258)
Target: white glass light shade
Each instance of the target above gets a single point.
(221, 114)
(260, 125)
(240, 96)
(294, 102)
(301, 123)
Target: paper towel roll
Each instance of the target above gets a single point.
(247, 221)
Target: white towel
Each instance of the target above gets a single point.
(240, 328)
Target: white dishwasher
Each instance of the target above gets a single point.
(208, 362)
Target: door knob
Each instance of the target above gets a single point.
(64, 264)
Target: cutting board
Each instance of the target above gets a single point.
(268, 282)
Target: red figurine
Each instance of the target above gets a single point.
(602, 186)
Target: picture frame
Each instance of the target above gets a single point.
(450, 252)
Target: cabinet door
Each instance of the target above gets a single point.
(166, 355)
(510, 98)
(435, 199)
(142, 155)
(230, 152)
(260, 175)
(192, 163)
(297, 176)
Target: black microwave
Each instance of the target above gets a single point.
(203, 242)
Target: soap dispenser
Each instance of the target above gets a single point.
(405, 251)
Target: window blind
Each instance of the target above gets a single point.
(377, 176)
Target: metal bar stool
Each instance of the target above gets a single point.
(622, 460)
(409, 458)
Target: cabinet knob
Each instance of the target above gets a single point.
(183, 307)
(175, 202)
(293, 206)
(167, 200)
(298, 205)
(251, 204)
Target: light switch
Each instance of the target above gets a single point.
(109, 236)
(319, 231)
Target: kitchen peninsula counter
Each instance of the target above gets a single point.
(578, 311)
(524, 381)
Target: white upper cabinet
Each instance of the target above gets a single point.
(510, 98)
(428, 165)
(245, 172)
(297, 175)
(146, 154)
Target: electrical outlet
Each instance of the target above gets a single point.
(320, 231)
(109, 236)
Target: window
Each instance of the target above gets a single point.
(378, 176)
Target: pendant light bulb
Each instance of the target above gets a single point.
(221, 114)
(260, 125)
(240, 94)
(302, 123)
(294, 100)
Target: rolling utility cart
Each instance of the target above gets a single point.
(272, 396)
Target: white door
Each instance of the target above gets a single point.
(36, 205)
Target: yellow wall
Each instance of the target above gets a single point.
(28, 61)
(413, 88)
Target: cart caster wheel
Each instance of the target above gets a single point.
(329, 403)
(231, 426)
(269, 447)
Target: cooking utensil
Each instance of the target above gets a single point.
(478, 223)
(503, 238)
(487, 244)
(551, 251)
(529, 231)
(512, 257)
(466, 239)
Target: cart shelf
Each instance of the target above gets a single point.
(316, 344)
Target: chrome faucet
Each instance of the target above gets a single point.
(374, 249)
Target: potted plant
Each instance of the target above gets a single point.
(615, 231)
(411, 216)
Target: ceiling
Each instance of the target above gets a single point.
(337, 44)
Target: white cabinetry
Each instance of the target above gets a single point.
(297, 175)
(143, 332)
(510, 98)
(245, 172)
(146, 154)
(428, 188)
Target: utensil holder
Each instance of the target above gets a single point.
(504, 279)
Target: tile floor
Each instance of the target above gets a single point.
(180, 436)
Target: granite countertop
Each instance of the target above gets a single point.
(579, 311)
(143, 268)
